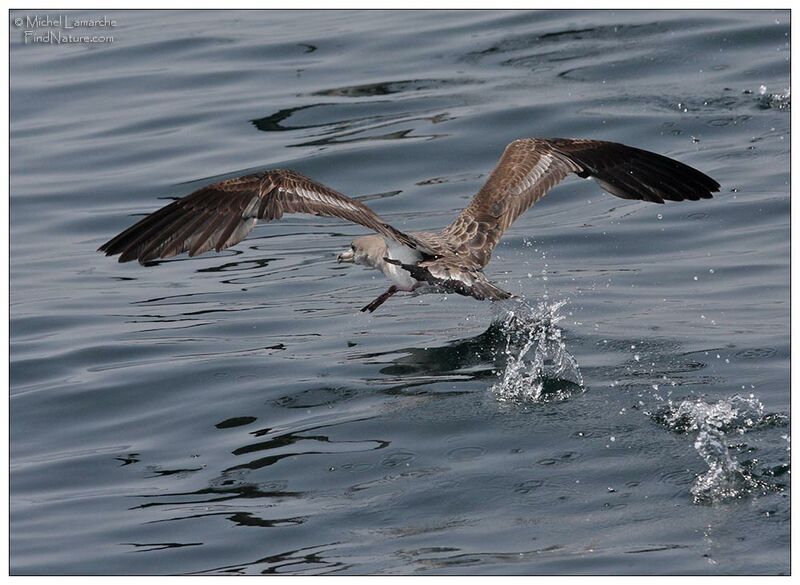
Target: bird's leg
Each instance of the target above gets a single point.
(380, 300)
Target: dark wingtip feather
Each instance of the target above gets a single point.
(633, 173)
(655, 178)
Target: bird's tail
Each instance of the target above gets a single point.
(490, 291)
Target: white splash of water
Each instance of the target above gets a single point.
(725, 478)
(535, 353)
(778, 101)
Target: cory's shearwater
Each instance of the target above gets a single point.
(452, 259)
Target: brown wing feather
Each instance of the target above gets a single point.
(529, 168)
(221, 215)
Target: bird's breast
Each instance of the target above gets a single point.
(400, 277)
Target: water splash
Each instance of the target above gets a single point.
(726, 479)
(779, 101)
(538, 366)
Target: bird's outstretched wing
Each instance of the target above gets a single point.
(222, 214)
(529, 168)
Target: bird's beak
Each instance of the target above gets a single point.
(346, 256)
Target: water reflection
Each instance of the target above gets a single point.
(303, 560)
(336, 123)
(154, 546)
(226, 488)
(316, 442)
(392, 87)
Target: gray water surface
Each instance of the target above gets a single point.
(236, 413)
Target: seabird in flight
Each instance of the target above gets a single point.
(452, 260)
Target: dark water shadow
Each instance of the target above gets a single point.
(474, 357)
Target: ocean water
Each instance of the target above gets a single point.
(236, 413)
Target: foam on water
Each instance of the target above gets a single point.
(538, 365)
(726, 478)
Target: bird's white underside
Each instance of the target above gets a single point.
(401, 278)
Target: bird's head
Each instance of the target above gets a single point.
(366, 250)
